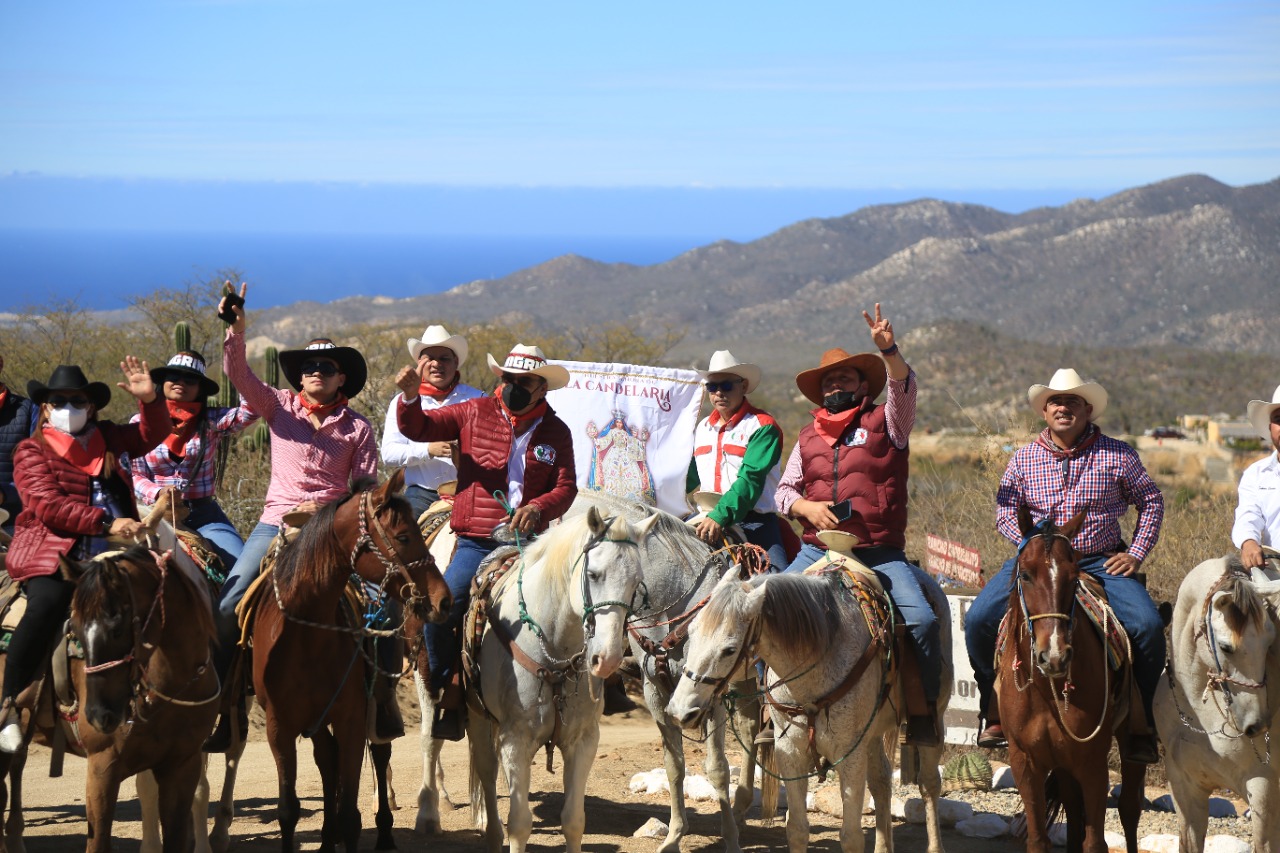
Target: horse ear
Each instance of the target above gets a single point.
(1024, 520)
(1072, 527)
(595, 523)
(69, 569)
(645, 527)
(755, 598)
(395, 483)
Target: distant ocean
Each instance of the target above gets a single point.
(101, 270)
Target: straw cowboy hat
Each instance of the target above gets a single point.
(523, 359)
(438, 336)
(186, 363)
(350, 362)
(1260, 413)
(869, 364)
(69, 377)
(1067, 381)
(723, 361)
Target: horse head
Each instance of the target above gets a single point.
(391, 553)
(607, 583)
(108, 621)
(1239, 630)
(1045, 580)
(721, 644)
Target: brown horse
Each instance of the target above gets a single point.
(310, 667)
(146, 688)
(1059, 699)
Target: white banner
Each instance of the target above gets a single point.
(632, 429)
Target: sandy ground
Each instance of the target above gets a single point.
(55, 807)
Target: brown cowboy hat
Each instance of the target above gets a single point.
(869, 364)
(69, 377)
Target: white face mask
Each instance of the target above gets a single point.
(68, 419)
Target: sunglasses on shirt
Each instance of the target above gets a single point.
(60, 400)
(324, 368)
(724, 385)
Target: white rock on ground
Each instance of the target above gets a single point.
(650, 782)
(983, 826)
(1226, 844)
(698, 788)
(1003, 778)
(949, 811)
(652, 828)
(1158, 844)
(828, 800)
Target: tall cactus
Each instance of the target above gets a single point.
(181, 336)
(260, 435)
(273, 367)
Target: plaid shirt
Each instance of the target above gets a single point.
(1104, 478)
(159, 469)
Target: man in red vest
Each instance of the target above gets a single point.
(848, 472)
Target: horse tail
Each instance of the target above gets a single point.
(768, 762)
(479, 815)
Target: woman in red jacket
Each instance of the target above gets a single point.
(74, 493)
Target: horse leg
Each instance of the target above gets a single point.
(102, 790)
(380, 753)
(220, 838)
(792, 751)
(1031, 781)
(517, 762)
(747, 726)
(149, 803)
(1070, 793)
(1093, 799)
(13, 825)
(1133, 778)
(717, 767)
(428, 818)
(673, 761)
(324, 750)
(1263, 794)
(176, 786)
(929, 781)
(880, 780)
(200, 808)
(285, 750)
(484, 779)
(350, 742)
(577, 767)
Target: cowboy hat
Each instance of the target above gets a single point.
(523, 359)
(69, 377)
(704, 502)
(723, 361)
(869, 364)
(438, 336)
(350, 362)
(1067, 381)
(186, 363)
(1260, 413)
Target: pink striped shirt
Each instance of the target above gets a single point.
(306, 463)
(899, 417)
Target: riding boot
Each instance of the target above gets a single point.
(992, 737)
(616, 700)
(10, 727)
(922, 729)
(449, 724)
(766, 734)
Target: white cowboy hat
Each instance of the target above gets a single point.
(438, 336)
(523, 359)
(1260, 413)
(838, 541)
(1067, 381)
(723, 361)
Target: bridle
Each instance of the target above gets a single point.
(1027, 617)
(391, 563)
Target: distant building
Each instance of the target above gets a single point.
(1222, 432)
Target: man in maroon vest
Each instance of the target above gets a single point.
(848, 472)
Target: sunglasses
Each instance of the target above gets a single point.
(60, 400)
(324, 368)
(181, 379)
(725, 385)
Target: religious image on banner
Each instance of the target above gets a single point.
(632, 427)
(619, 462)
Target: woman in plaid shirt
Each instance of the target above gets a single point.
(1071, 467)
(185, 462)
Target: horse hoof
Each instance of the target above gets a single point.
(428, 827)
(387, 843)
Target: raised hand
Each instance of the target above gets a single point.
(229, 306)
(407, 381)
(137, 379)
(881, 329)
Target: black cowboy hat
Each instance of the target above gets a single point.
(187, 363)
(349, 359)
(69, 377)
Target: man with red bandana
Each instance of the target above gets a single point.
(515, 466)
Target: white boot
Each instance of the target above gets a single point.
(11, 735)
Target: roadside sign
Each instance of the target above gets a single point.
(952, 563)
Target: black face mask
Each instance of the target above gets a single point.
(515, 397)
(840, 401)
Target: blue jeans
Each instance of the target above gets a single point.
(208, 519)
(420, 498)
(443, 641)
(1128, 598)
(247, 567)
(761, 528)
(904, 583)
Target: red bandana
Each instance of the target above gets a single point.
(830, 427)
(321, 410)
(87, 454)
(1087, 438)
(183, 416)
(519, 422)
(426, 389)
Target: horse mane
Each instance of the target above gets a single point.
(557, 551)
(1246, 603)
(95, 589)
(803, 610)
(316, 550)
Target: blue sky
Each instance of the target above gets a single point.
(954, 97)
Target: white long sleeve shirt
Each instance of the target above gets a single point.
(1258, 513)
(420, 467)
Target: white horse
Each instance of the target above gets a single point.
(1221, 700)
(555, 629)
(828, 686)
